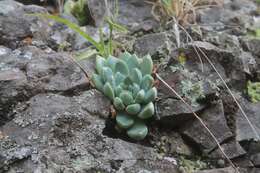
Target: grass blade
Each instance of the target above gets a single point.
(72, 26)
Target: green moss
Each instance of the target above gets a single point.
(190, 166)
(79, 10)
(253, 90)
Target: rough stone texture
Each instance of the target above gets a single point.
(243, 130)
(16, 26)
(215, 120)
(177, 115)
(169, 142)
(56, 133)
(256, 159)
(17, 29)
(222, 170)
(226, 16)
(136, 15)
(252, 45)
(232, 150)
(228, 64)
(28, 71)
(153, 44)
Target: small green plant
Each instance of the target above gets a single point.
(190, 166)
(103, 48)
(253, 90)
(78, 9)
(192, 91)
(184, 11)
(254, 33)
(128, 83)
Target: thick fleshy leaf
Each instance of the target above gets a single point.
(128, 81)
(150, 95)
(118, 90)
(118, 103)
(135, 89)
(126, 97)
(146, 65)
(125, 56)
(111, 62)
(136, 76)
(138, 131)
(100, 63)
(124, 121)
(107, 74)
(97, 81)
(140, 96)
(147, 82)
(132, 63)
(108, 91)
(133, 109)
(119, 78)
(122, 68)
(147, 111)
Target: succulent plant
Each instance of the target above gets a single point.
(128, 83)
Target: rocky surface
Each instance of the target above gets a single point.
(52, 120)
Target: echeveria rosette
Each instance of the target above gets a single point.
(128, 83)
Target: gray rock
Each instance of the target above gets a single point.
(15, 26)
(256, 159)
(98, 10)
(249, 63)
(252, 45)
(221, 170)
(229, 64)
(175, 115)
(226, 17)
(29, 71)
(7, 6)
(232, 149)
(243, 130)
(153, 44)
(64, 135)
(4, 51)
(136, 16)
(215, 120)
(243, 162)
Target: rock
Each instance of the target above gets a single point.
(95, 103)
(136, 16)
(232, 149)
(225, 17)
(256, 159)
(64, 135)
(221, 170)
(173, 112)
(7, 6)
(252, 45)
(243, 162)
(228, 64)
(98, 10)
(4, 51)
(169, 142)
(29, 71)
(215, 120)
(16, 27)
(153, 44)
(249, 63)
(243, 130)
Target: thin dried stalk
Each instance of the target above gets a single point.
(225, 84)
(201, 121)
